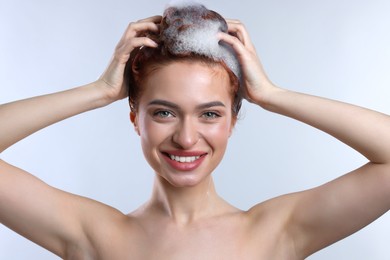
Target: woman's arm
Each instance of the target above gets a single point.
(343, 206)
(24, 117)
(54, 219)
(28, 116)
(323, 215)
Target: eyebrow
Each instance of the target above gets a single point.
(175, 106)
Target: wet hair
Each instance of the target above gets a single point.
(188, 33)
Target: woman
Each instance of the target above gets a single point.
(184, 112)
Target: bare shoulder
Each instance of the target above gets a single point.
(316, 218)
(271, 225)
(105, 230)
(66, 224)
(278, 209)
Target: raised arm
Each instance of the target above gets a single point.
(323, 215)
(55, 219)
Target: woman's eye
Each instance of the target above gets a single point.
(210, 115)
(163, 114)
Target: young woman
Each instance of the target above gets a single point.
(183, 107)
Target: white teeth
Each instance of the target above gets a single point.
(183, 159)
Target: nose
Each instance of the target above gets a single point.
(186, 134)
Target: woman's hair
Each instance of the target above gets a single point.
(188, 33)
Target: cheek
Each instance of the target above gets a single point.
(219, 130)
(148, 132)
(218, 134)
(152, 133)
(151, 137)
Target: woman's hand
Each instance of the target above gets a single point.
(255, 84)
(112, 78)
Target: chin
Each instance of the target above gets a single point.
(184, 180)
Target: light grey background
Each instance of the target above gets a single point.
(337, 49)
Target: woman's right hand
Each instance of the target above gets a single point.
(112, 79)
(256, 85)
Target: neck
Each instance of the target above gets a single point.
(186, 204)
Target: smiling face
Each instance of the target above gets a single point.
(184, 118)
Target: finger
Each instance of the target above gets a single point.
(234, 24)
(135, 28)
(143, 41)
(154, 19)
(123, 51)
(143, 26)
(236, 44)
(238, 29)
(232, 20)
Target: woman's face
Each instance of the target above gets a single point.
(184, 120)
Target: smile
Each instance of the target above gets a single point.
(183, 159)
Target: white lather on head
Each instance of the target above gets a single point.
(191, 27)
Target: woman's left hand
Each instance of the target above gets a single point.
(113, 78)
(255, 83)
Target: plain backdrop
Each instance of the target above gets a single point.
(337, 49)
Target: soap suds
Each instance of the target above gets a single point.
(190, 27)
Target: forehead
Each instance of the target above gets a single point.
(188, 82)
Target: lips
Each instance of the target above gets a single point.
(184, 160)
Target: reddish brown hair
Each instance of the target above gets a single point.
(144, 60)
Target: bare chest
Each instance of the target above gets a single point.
(226, 238)
(210, 242)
